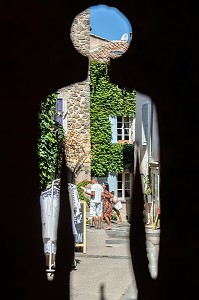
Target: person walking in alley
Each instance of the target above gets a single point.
(117, 205)
(95, 202)
(107, 205)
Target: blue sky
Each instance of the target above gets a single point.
(108, 22)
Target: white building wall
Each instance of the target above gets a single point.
(143, 151)
(155, 154)
(149, 152)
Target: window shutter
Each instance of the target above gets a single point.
(112, 181)
(113, 121)
(145, 124)
(59, 108)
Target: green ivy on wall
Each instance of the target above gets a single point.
(106, 99)
(50, 139)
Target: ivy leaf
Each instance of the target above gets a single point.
(106, 99)
(50, 140)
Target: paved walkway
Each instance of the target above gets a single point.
(106, 268)
(152, 242)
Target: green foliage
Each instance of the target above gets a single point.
(114, 216)
(107, 157)
(49, 142)
(147, 181)
(106, 99)
(81, 193)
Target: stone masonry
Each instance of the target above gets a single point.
(76, 97)
(76, 105)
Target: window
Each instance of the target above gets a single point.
(124, 186)
(124, 130)
(59, 108)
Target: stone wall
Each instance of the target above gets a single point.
(76, 106)
(80, 32)
(76, 97)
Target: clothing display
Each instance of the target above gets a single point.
(73, 195)
(75, 205)
(49, 203)
(50, 247)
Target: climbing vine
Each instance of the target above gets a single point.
(147, 182)
(107, 99)
(81, 193)
(50, 139)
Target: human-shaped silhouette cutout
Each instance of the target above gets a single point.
(76, 97)
(163, 64)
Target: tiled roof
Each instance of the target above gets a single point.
(109, 49)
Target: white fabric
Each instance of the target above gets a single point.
(73, 193)
(73, 222)
(50, 205)
(118, 205)
(98, 189)
(87, 191)
(49, 202)
(95, 209)
(75, 203)
(49, 246)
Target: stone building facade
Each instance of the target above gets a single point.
(76, 97)
(76, 107)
